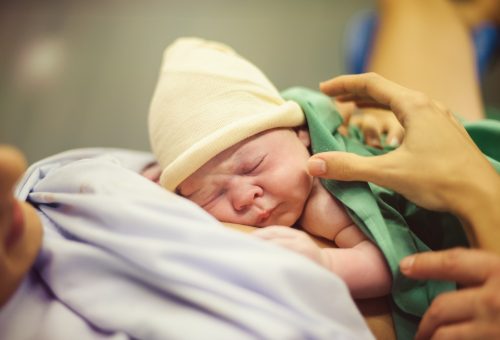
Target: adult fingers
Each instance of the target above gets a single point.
(345, 166)
(360, 101)
(466, 266)
(447, 308)
(370, 87)
(472, 313)
(359, 87)
(472, 330)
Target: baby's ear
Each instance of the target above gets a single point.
(303, 134)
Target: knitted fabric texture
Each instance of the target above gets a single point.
(208, 98)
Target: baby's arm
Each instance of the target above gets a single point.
(361, 264)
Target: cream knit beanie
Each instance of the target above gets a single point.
(207, 99)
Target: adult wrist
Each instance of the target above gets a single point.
(480, 214)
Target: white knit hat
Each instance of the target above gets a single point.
(207, 99)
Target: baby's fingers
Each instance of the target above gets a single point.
(372, 130)
(395, 133)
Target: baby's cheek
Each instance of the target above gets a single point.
(224, 213)
(305, 187)
(217, 213)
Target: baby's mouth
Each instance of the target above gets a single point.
(264, 216)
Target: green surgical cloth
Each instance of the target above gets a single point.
(397, 226)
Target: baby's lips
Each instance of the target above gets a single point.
(264, 215)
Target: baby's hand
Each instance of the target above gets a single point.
(295, 240)
(373, 123)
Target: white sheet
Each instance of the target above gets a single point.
(125, 258)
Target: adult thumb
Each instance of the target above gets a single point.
(346, 166)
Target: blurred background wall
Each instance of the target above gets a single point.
(82, 73)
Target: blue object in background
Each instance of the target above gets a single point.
(486, 40)
(359, 40)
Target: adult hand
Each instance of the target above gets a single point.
(469, 313)
(437, 165)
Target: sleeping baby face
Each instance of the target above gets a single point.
(260, 181)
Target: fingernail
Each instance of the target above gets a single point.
(322, 83)
(406, 264)
(316, 166)
(394, 142)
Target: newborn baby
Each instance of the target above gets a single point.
(227, 140)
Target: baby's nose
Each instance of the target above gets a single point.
(245, 197)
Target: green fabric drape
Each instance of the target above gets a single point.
(397, 226)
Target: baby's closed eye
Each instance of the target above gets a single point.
(253, 166)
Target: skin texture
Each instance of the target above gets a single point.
(437, 166)
(20, 227)
(263, 181)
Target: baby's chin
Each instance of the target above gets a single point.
(287, 219)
